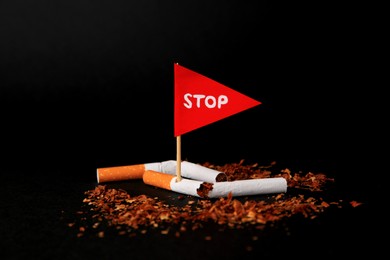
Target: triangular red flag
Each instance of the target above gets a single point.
(200, 101)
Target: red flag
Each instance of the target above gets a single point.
(200, 101)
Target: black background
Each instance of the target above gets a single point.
(89, 84)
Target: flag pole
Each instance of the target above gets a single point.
(178, 158)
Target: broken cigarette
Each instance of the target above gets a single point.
(188, 170)
(218, 189)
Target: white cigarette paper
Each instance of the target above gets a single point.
(237, 188)
(188, 170)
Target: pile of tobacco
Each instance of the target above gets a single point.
(115, 209)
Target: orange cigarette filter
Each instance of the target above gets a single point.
(158, 179)
(120, 173)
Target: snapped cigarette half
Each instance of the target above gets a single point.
(188, 170)
(249, 187)
(218, 189)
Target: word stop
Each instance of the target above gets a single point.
(208, 101)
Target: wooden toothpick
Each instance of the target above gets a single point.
(178, 158)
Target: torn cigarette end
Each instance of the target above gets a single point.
(120, 173)
(158, 179)
(221, 177)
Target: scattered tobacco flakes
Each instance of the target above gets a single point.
(240, 171)
(355, 203)
(111, 209)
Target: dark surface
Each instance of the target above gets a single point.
(36, 212)
(89, 84)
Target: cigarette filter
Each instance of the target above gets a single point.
(121, 173)
(158, 179)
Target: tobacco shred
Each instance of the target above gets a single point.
(204, 189)
(116, 208)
